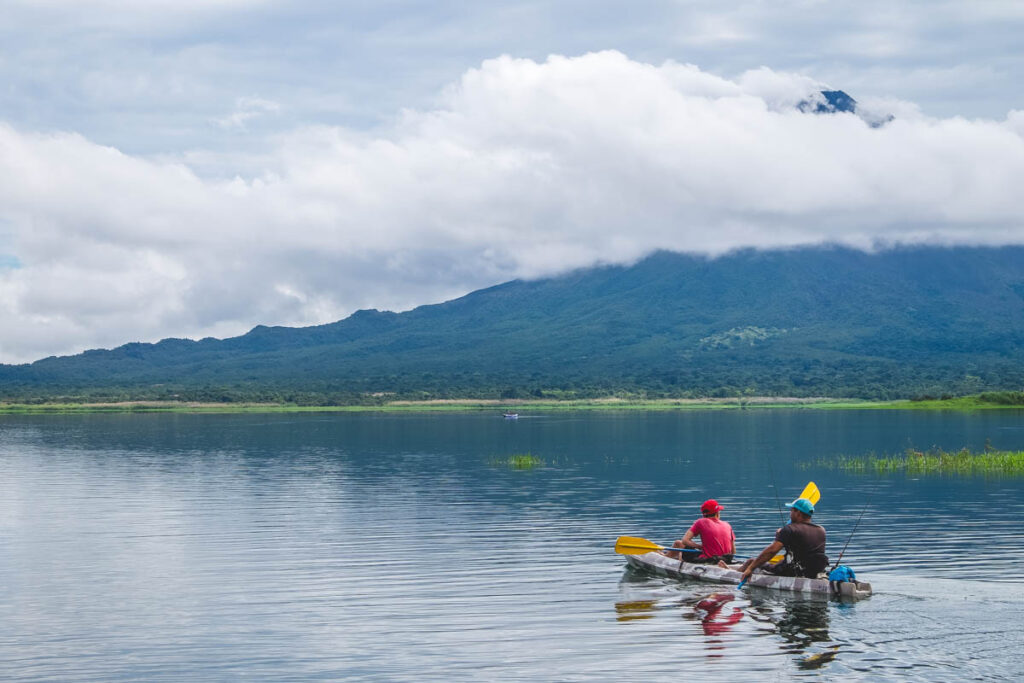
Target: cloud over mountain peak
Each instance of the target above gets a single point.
(524, 168)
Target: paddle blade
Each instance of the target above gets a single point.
(811, 493)
(631, 545)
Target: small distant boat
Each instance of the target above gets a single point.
(511, 416)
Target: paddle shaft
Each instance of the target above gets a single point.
(640, 549)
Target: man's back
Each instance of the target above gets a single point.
(806, 542)
(716, 536)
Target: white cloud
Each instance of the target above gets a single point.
(247, 109)
(523, 169)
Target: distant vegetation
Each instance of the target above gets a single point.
(989, 462)
(746, 336)
(984, 401)
(497, 406)
(521, 461)
(1003, 398)
(923, 323)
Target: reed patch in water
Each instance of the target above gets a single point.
(519, 461)
(965, 462)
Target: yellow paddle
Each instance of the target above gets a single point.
(811, 493)
(631, 545)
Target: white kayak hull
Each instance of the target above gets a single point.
(665, 566)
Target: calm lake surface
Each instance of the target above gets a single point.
(396, 547)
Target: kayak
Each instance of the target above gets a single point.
(665, 566)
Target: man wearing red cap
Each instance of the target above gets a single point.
(717, 541)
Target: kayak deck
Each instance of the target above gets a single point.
(666, 566)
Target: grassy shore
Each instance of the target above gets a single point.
(934, 462)
(442, 405)
(966, 403)
(961, 403)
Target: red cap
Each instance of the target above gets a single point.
(711, 507)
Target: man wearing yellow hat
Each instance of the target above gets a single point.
(803, 540)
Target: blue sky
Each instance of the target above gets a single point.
(195, 168)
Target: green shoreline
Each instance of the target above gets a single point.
(967, 403)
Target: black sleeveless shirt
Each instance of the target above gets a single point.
(806, 543)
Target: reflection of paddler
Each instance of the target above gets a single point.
(712, 606)
(801, 622)
(804, 622)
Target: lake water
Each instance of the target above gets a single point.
(397, 547)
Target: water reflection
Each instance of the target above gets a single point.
(800, 623)
(331, 547)
(803, 625)
(714, 619)
(631, 610)
(819, 659)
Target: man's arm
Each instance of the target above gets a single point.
(766, 554)
(688, 540)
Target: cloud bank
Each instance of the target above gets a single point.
(523, 169)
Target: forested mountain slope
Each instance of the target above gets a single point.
(816, 321)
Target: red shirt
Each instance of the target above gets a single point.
(716, 536)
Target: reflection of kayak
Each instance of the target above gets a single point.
(666, 566)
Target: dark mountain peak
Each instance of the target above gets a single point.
(839, 102)
(830, 102)
(370, 314)
(364, 319)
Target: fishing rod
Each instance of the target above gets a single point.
(866, 504)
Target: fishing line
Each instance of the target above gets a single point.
(866, 504)
(775, 488)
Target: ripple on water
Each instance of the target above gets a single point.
(219, 549)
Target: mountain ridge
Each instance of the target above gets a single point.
(816, 320)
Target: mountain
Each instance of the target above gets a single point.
(831, 102)
(814, 321)
(836, 102)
